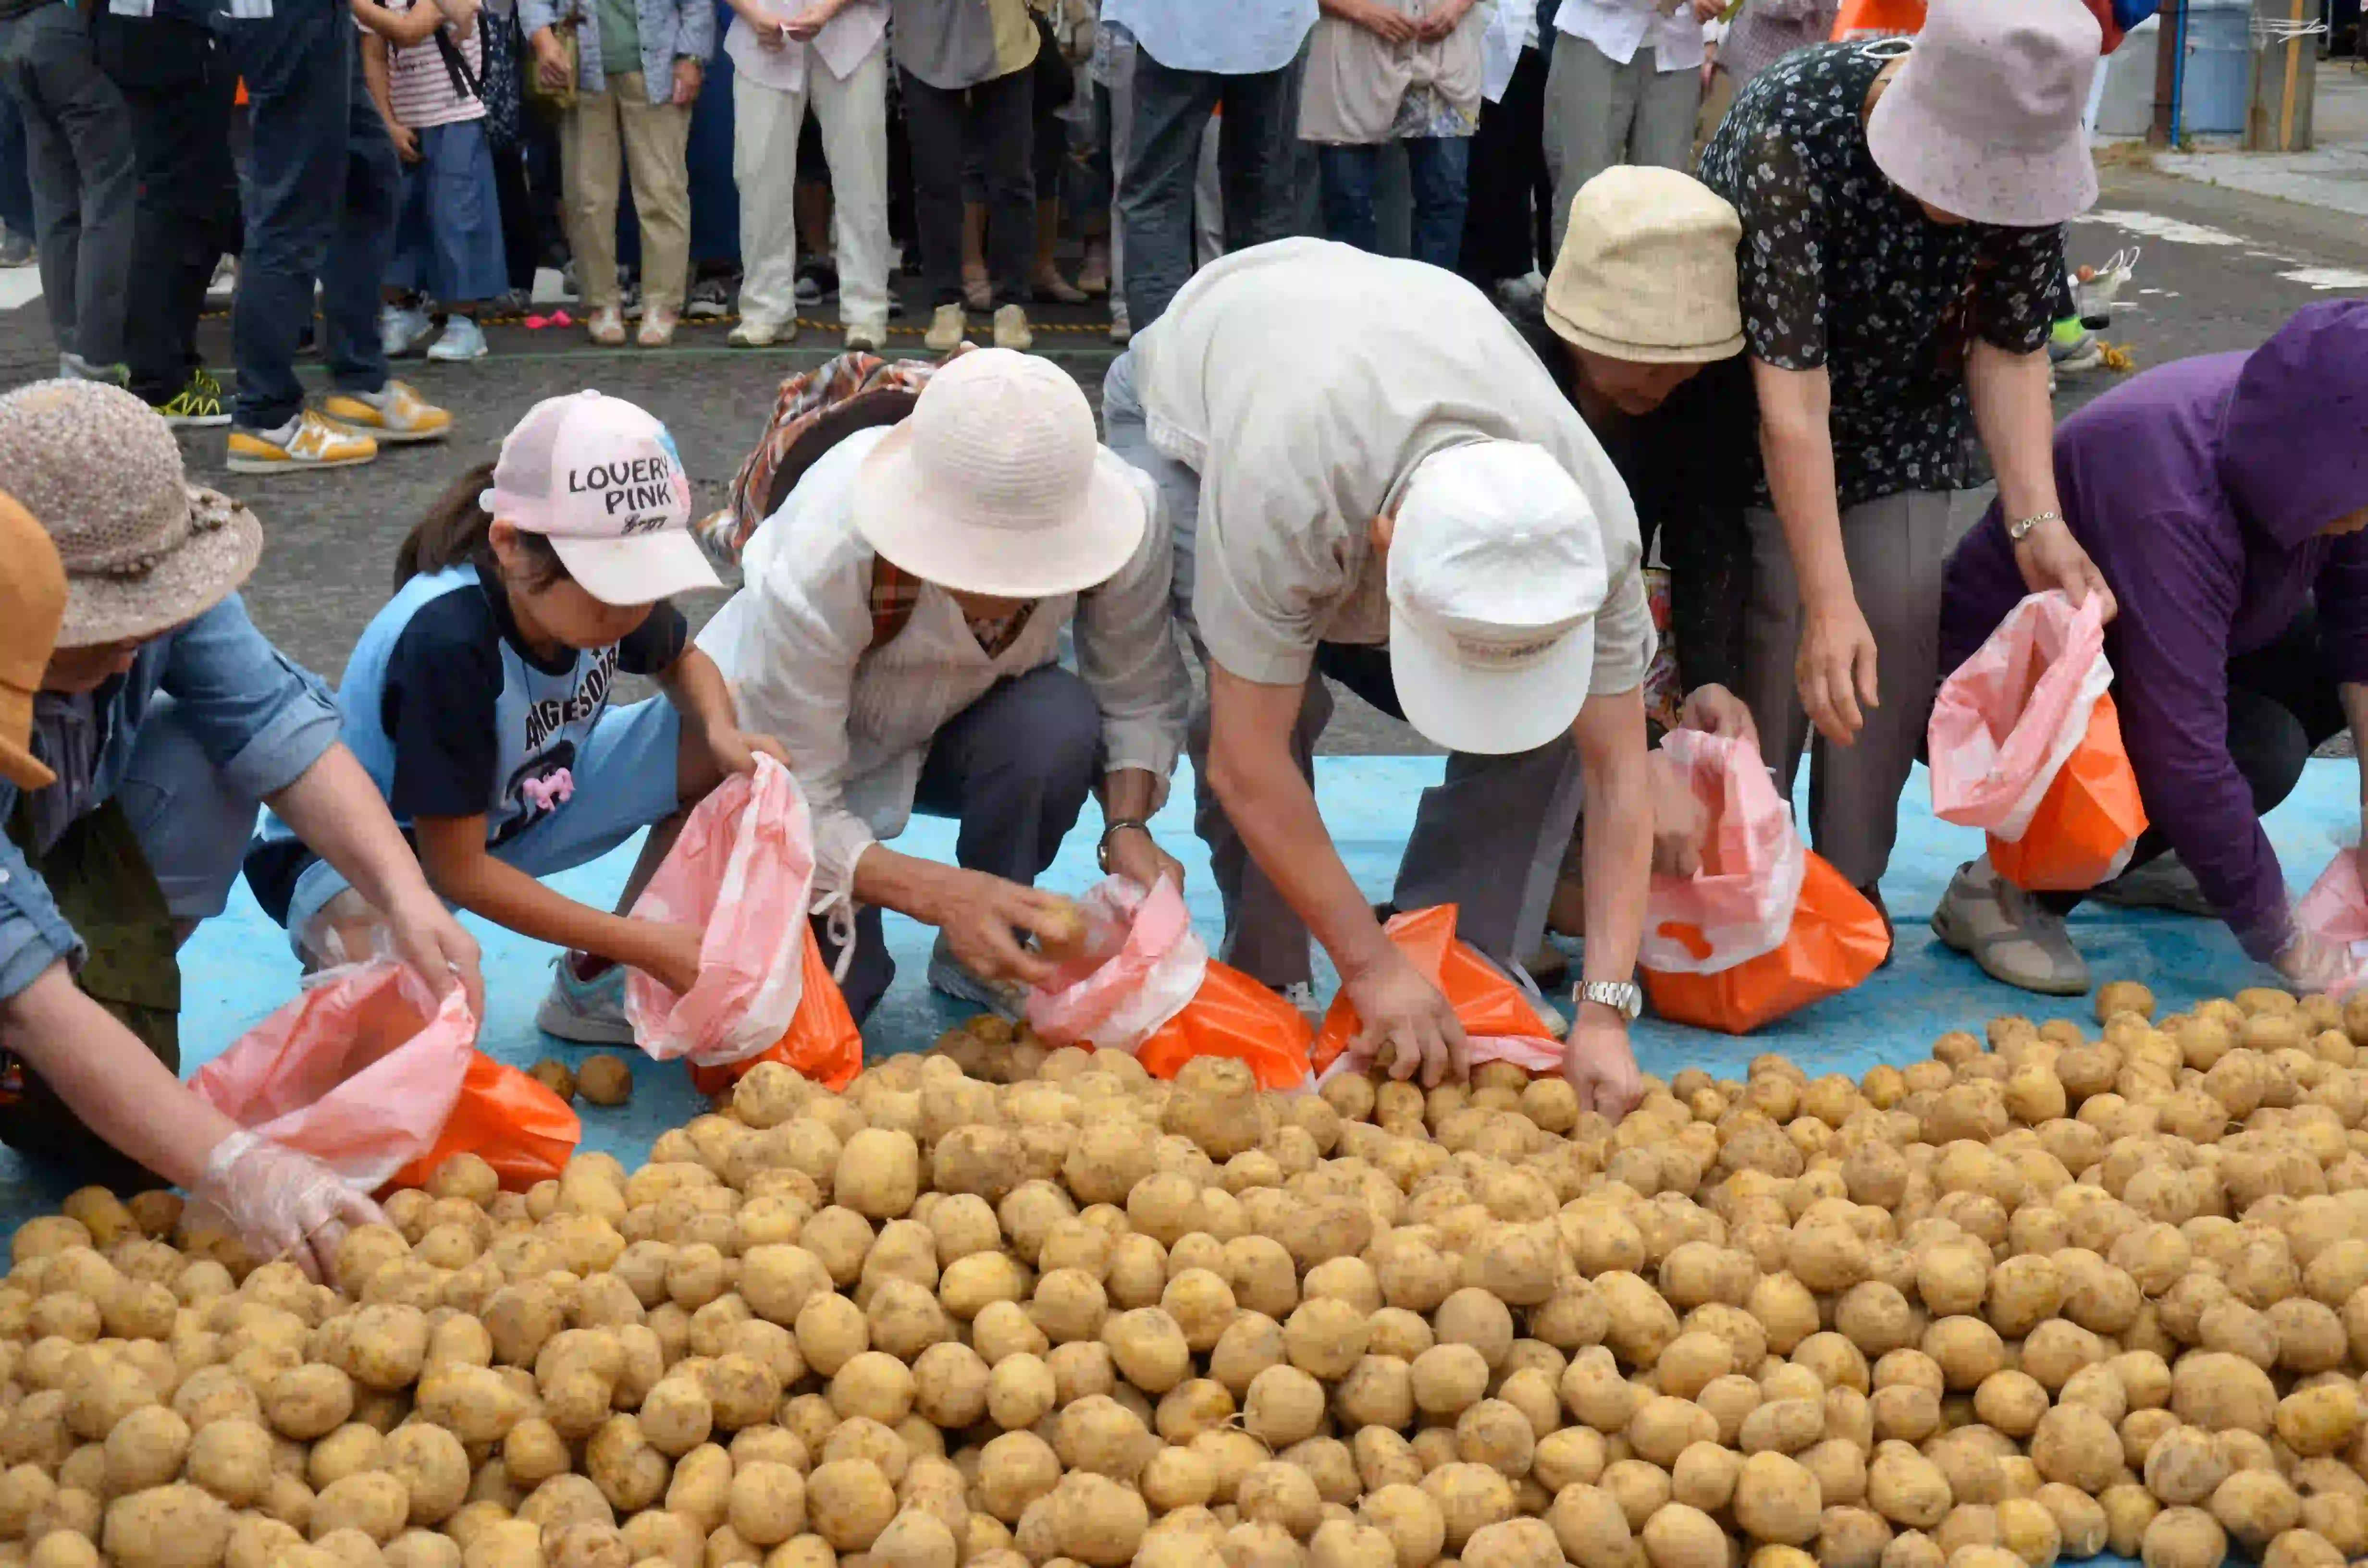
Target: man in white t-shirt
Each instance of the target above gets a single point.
(1372, 478)
(1625, 88)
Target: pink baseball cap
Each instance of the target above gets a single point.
(601, 479)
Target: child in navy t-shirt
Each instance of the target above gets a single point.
(478, 701)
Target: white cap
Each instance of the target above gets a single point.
(601, 479)
(1496, 573)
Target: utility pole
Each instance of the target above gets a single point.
(2169, 41)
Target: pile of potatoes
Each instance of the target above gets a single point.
(2043, 1296)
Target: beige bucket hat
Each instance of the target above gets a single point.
(143, 549)
(997, 484)
(1647, 272)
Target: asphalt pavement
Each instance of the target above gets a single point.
(2220, 270)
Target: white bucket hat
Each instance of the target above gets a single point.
(1984, 119)
(600, 478)
(995, 484)
(1496, 573)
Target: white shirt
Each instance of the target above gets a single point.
(1233, 37)
(1303, 381)
(1620, 28)
(843, 45)
(1513, 28)
(796, 643)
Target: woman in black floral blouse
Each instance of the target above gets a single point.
(1897, 268)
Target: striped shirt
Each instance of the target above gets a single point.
(419, 84)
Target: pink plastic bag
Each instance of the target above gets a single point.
(1141, 966)
(741, 871)
(1740, 905)
(2023, 745)
(2335, 911)
(360, 1071)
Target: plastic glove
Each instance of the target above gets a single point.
(2313, 964)
(282, 1204)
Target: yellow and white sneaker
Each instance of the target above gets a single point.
(306, 443)
(396, 414)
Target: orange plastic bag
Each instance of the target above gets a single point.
(1232, 1014)
(1878, 19)
(360, 1071)
(506, 1119)
(1498, 1019)
(2025, 745)
(1837, 939)
(822, 1041)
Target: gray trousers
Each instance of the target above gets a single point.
(1896, 548)
(1489, 837)
(1600, 113)
(80, 163)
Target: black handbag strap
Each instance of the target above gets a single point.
(456, 64)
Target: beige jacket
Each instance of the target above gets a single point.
(1355, 81)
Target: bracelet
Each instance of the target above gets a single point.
(2020, 529)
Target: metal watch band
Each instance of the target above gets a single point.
(1622, 996)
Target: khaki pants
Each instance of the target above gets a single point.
(766, 125)
(603, 130)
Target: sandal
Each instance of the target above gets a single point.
(2014, 938)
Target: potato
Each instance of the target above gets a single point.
(1681, 1537)
(1513, 1543)
(850, 1501)
(2183, 1538)
(604, 1079)
(1411, 1520)
(167, 1526)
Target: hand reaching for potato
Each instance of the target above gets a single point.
(282, 1204)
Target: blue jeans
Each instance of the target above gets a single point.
(323, 192)
(16, 191)
(448, 243)
(1436, 166)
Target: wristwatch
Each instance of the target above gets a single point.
(1624, 997)
(2019, 529)
(1101, 851)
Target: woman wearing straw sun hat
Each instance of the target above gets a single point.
(1903, 240)
(164, 719)
(900, 630)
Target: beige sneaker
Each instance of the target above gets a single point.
(395, 413)
(761, 335)
(2011, 935)
(1011, 329)
(606, 327)
(309, 442)
(657, 327)
(947, 329)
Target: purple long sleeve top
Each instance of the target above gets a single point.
(2201, 489)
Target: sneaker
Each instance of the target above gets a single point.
(760, 334)
(402, 329)
(948, 976)
(395, 413)
(947, 330)
(1093, 277)
(2071, 347)
(867, 336)
(225, 278)
(16, 250)
(1301, 995)
(606, 327)
(710, 298)
(633, 301)
(809, 290)
(586, 1012)
(193, 406)
(75, 367)
(509, 303)
(2013, 937)
(463, 340)
(658, 328)
(1122, 329)
(1011, 329)
(306, 443)
(2163, 882)
(203, 380)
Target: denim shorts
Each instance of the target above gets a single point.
(624, 782)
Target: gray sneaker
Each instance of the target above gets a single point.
(586, 1012)
(2163, 882)
(16, 250)
(948, 975)
(2014, 938)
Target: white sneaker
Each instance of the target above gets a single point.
(1301, 995)
(867, 336)
(462, 340)
(751, 334)
(587, 1012)
(947, 329)
(1122, 331)
(402, 328)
